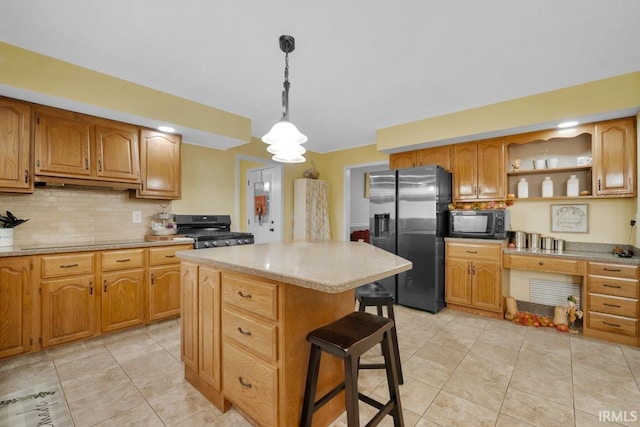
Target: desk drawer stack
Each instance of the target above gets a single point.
(612, 302)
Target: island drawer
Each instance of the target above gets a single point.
(66, 265)
(611, 286)
(476, 252)
(548, 264)
(613, 305)
(259, 337)
(120, 260)
(613, 270)
(251, 384)
(611, 323)
(166, 255)
(256, 296)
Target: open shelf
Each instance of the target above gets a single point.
(570, 169)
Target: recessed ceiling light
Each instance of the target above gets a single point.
(166, 129)
(567, 124)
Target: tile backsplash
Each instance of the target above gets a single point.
(60, 216)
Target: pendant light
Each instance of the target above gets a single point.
(284, 138)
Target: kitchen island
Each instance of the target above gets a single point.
(246, 311)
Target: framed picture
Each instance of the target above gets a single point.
(570, 218)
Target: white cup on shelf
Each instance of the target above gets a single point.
(539, 164)
(553, 162)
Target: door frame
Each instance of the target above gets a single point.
(346, 202)
(278, 172)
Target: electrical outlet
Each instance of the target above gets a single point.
(136, 217)
(632, 222)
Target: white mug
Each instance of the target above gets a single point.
(539, 164)
(553, 162)
(583, 160)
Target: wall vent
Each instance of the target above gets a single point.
(552, 293)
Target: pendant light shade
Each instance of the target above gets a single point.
(284, 138)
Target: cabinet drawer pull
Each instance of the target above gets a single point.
(611, 286)
(68, 265)
(26, 176)
(243, 332)
(612, 269)
(105, 286)
(611, 305)
(472, 252)
(90, 288)
(170, 256)
(123, 260)
(244, 384)
(540, 263)
(611, 324)
(153, 278)
(244, 295)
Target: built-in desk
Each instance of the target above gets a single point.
(609, 287)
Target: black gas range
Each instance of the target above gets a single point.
(211, 231)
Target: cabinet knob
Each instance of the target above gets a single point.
(244, 295)
(243, 332)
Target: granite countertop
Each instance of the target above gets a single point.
(326, 266)
(83, 247)
(577, 254)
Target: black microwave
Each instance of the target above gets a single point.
(480, 224)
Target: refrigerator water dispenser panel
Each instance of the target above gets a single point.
(381, 225)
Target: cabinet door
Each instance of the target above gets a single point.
(68, 310)
(209, 362)
(164, 292)
(15, 306)
(614, 163)
(117, 153)
(464, 163)
(122, 299)
(402, 160)
(486, 288)
(490, 170)
(189, 315)
(458, 287)
(62, 146)
(160, 165)
(15, 140)
(435, 156)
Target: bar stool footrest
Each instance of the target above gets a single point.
(327, 397)
(383, 409)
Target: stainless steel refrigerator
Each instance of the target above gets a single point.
(408, 216)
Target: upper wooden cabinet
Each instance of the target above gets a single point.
(74, 146)
(614, 158)
(16, 174)
(478, 170)
(160, 165)
(403, 160)
(426, 156)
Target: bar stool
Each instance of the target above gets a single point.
(348, 338)
(375, 295)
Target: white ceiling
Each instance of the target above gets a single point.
(359, 65)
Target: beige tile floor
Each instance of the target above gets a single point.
(460, 370)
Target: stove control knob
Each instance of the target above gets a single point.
(214, 244)
(206, 244)
(228, 243)
(239, 241)
(247, 241)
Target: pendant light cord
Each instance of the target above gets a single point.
(285, 92)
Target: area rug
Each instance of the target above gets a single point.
(41, 405)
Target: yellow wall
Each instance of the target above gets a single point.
(602, 96)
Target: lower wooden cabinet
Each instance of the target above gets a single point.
(53, 299)
(474, 278)
(122, 299)
(163, 286)
(15, 306)
(68, 309)
(244, 343)
(612, 302)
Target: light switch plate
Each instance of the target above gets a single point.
(136, 217)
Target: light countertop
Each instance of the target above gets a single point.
(326, 266)
(82, 247)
